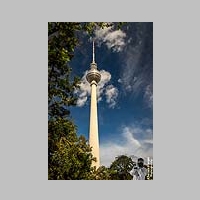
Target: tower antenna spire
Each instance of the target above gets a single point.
(93, 55)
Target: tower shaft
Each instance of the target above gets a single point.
(93, 131)
(93, 77)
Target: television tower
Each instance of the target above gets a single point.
(93, 77)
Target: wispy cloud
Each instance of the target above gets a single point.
(114, 39)
(137, 74)
(131, 76)
(83, 91)
(148, 95)
(111, 95)
(105, 78)
(103, 89)
(134, 141)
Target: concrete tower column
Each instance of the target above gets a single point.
(93, 132)
(93, 77)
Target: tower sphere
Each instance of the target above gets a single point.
(93, 75)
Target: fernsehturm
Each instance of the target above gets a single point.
(93, 77)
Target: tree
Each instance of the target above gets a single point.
(65, 149)
(102, 173)
(122, 166)
(61, 44)
(72, 160)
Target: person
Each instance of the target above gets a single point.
(139, 172)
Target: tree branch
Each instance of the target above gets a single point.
(52, 35)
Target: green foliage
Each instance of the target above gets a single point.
(61, 44)
(102, 173)
(71, 160)
(89, 27)
(120, 24)
(122, 167)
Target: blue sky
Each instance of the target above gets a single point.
(125, 92)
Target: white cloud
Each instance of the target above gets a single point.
(135, 77)
(130, 145)
(83, 91)
(131, 79)
(114, 39)
(105, 78)
(81, 101)
(119, 80)
(110, 91)
(148, 95)
(127, 133)
(111, 95)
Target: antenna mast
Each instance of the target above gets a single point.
(93, 55)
